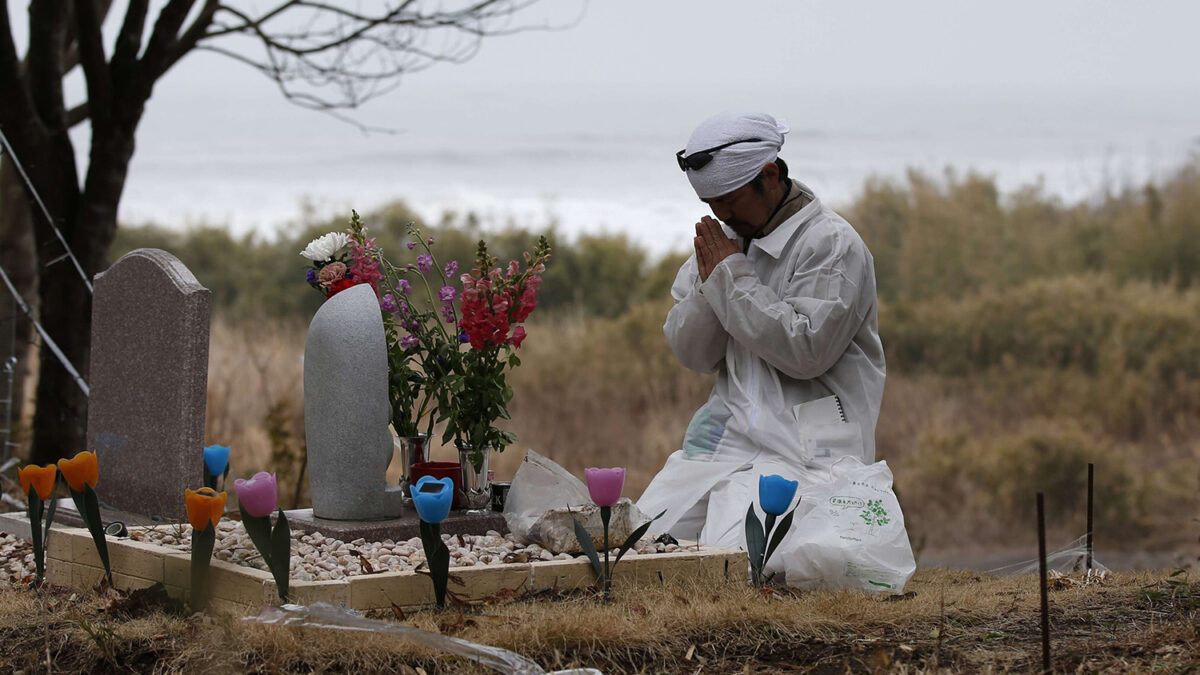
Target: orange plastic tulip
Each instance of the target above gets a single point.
(80, 470)
(204, 506)
(40, 477)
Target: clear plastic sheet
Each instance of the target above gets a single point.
(1066, 560)
(324, 615)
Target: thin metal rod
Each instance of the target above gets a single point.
(1041, 523)
(62, 358)
(1091, 468)
(50, 219)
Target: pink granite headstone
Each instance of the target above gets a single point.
(148, 377)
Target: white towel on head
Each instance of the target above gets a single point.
(736, 165)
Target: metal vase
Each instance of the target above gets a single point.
(413, 449)
(476, 486)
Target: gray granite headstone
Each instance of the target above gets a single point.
(149, 378)
(346, 410)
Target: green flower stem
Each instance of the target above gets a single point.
(203, 542)
(437, 557)
(605, 515)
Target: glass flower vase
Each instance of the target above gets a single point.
(413, 450)
(476, 485)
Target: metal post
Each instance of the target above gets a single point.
(1091, 467)
(1041, 522)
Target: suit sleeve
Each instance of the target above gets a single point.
(695, 334)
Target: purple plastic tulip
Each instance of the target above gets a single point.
(605, 485)
(258, 495)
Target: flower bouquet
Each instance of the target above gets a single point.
(495, 302)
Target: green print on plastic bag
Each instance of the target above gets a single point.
(875, 514)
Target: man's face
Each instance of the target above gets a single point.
(745, 210)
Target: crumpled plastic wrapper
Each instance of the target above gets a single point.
(542, 499)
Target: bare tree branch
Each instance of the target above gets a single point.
(325, 55)
(79, 114)
(91, 57)
(47, 41)
(129, 42)
(165, 36)
(17, 103)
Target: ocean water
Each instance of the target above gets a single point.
(593, 158)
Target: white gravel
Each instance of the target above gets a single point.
(316, 557)
(16, 559)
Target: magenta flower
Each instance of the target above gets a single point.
(409, 341)
(411, 245)
(402, 287)
(388, 304)
(424, 263)
(446, 294)
(430, 241)
(258, 495)
(605, 485)
(451, 268)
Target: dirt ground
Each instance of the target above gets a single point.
(947, 621)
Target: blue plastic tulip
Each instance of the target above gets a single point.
(433, 497)
(216, 458)
(775, 494)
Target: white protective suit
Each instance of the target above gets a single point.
(792, 320)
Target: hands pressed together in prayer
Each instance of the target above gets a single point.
(712, 246)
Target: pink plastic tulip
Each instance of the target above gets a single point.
(605, 485)
(258, 495)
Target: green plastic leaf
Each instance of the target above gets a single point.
(756, 541)
(281, 555)
(437, 556)
(91, 503)
(779, 534)
(635, 537)
(35, 528)
(202, 549)
(259, 530)
(585, 543)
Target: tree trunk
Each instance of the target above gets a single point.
(18, 257)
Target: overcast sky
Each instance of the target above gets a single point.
(670, 63)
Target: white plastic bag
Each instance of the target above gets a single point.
(544, 501)
(848, 533)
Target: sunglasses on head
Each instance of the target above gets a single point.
(697, 160)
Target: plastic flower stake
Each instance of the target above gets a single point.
(257, 498)
(204, 509)
(605, 487)
(216, 463)
(775, 495)
(432, 497)
(37, 482)
(82, 472)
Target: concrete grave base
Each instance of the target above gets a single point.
(406, 526)
(71, 560)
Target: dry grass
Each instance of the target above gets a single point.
(948, 622)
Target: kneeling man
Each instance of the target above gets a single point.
(779, 301)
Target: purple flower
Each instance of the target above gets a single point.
(403, 308)
(605, 485)
(451, 269)
(446, 294)
(402, 287)
(311, 276)
(448, 313)
(409, 341)
(431, 241)
(388, 304)
(463, 337)
(424, 263)
(411, 246)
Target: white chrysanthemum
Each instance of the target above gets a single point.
(324, 246)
